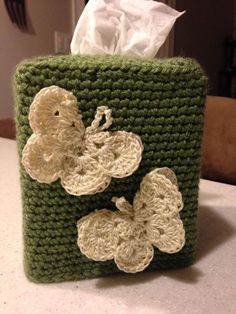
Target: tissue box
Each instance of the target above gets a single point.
(162, 101)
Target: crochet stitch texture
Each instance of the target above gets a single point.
(129, 234)
(162, 101)
(84, 159)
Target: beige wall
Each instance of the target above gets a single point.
(77, 8)
(46, 16)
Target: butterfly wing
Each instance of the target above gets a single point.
(167, 234)
(83, 176)
(120, 154)
(53, 109)
(157, 195)
(135, 252)
(157, 205)
(104, 235)
(58, 130)
(96, 236)
(168, 173)
(41, 158)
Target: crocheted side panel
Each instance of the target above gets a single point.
(85, 159)
(128, 235)
(160, 100)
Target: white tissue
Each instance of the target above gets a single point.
(124, 27)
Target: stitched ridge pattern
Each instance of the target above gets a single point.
(162, 101)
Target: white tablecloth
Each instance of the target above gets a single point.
(209, 286)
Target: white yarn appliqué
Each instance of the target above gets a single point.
(85, 159)
(128, 235)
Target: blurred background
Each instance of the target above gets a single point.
(206, 32)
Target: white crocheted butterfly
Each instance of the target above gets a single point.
(128, 235)
(84, 159)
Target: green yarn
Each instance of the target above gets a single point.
(160, 100)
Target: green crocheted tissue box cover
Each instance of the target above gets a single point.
(162, 101)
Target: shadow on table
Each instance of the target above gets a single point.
(213, 230)
(186, 275)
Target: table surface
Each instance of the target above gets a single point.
(209, 286)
